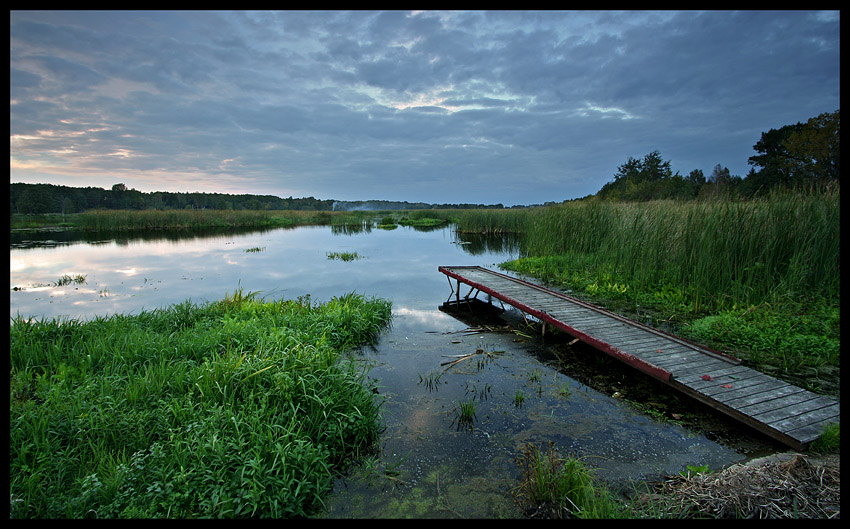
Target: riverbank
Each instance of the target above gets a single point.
(786, 485)
(231, 409)
(122, 221)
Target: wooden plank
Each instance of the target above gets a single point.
(786, 412)
(738, 396)
(796, 411)
(676, 363)
(776, 400)
(757, 394)
(813, 429)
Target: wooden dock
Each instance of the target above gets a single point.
(787, 413)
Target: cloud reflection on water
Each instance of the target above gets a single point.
(127, 276)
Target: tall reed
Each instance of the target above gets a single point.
(718, 253)
(151, 219)
(189, 219)
(490, 221)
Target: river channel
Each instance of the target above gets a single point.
(430, 464)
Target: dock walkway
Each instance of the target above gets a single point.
(787, 413)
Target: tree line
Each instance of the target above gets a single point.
(50, 198)
(802, 155)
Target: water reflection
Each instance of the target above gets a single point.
(351, 229)
(49, 238)
(481, 244)
(431, 319)
(132, 273)
(427, 467)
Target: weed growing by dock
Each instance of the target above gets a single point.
(704, 256)
(562, 486)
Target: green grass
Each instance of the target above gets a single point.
(565, 483)
(431, 381)
(18, 221)
(708, 256)
(490, 221)
(764, 273)
(235, 408)
(829, 441)
(790, 335)
(422, 222)
(199, 219)
(466, 413)
(68, 279)
(179, 219)
(187, 219)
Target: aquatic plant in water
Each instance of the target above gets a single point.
(343, 256)
(466, 413)
(563, 482)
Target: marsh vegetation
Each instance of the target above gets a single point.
(190, 410)
(759, 277)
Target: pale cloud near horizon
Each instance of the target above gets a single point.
(512, 107)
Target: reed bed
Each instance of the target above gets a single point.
(493, 221)
(151, 219)
(190, 219)
(711, 255)
(235, 408)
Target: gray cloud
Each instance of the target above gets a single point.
(504, 106)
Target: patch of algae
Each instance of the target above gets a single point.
(442, 493)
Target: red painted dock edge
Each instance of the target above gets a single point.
(636, 362)
(794, 419)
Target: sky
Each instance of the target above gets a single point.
(482, 107)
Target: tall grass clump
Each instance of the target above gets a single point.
(492, 221)
(563, 484)
(235, 408)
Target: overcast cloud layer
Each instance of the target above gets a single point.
(482, 107)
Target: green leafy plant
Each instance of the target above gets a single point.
(693, 470)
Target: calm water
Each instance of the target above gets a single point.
(430, 464)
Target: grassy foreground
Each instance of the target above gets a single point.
(234, 408)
